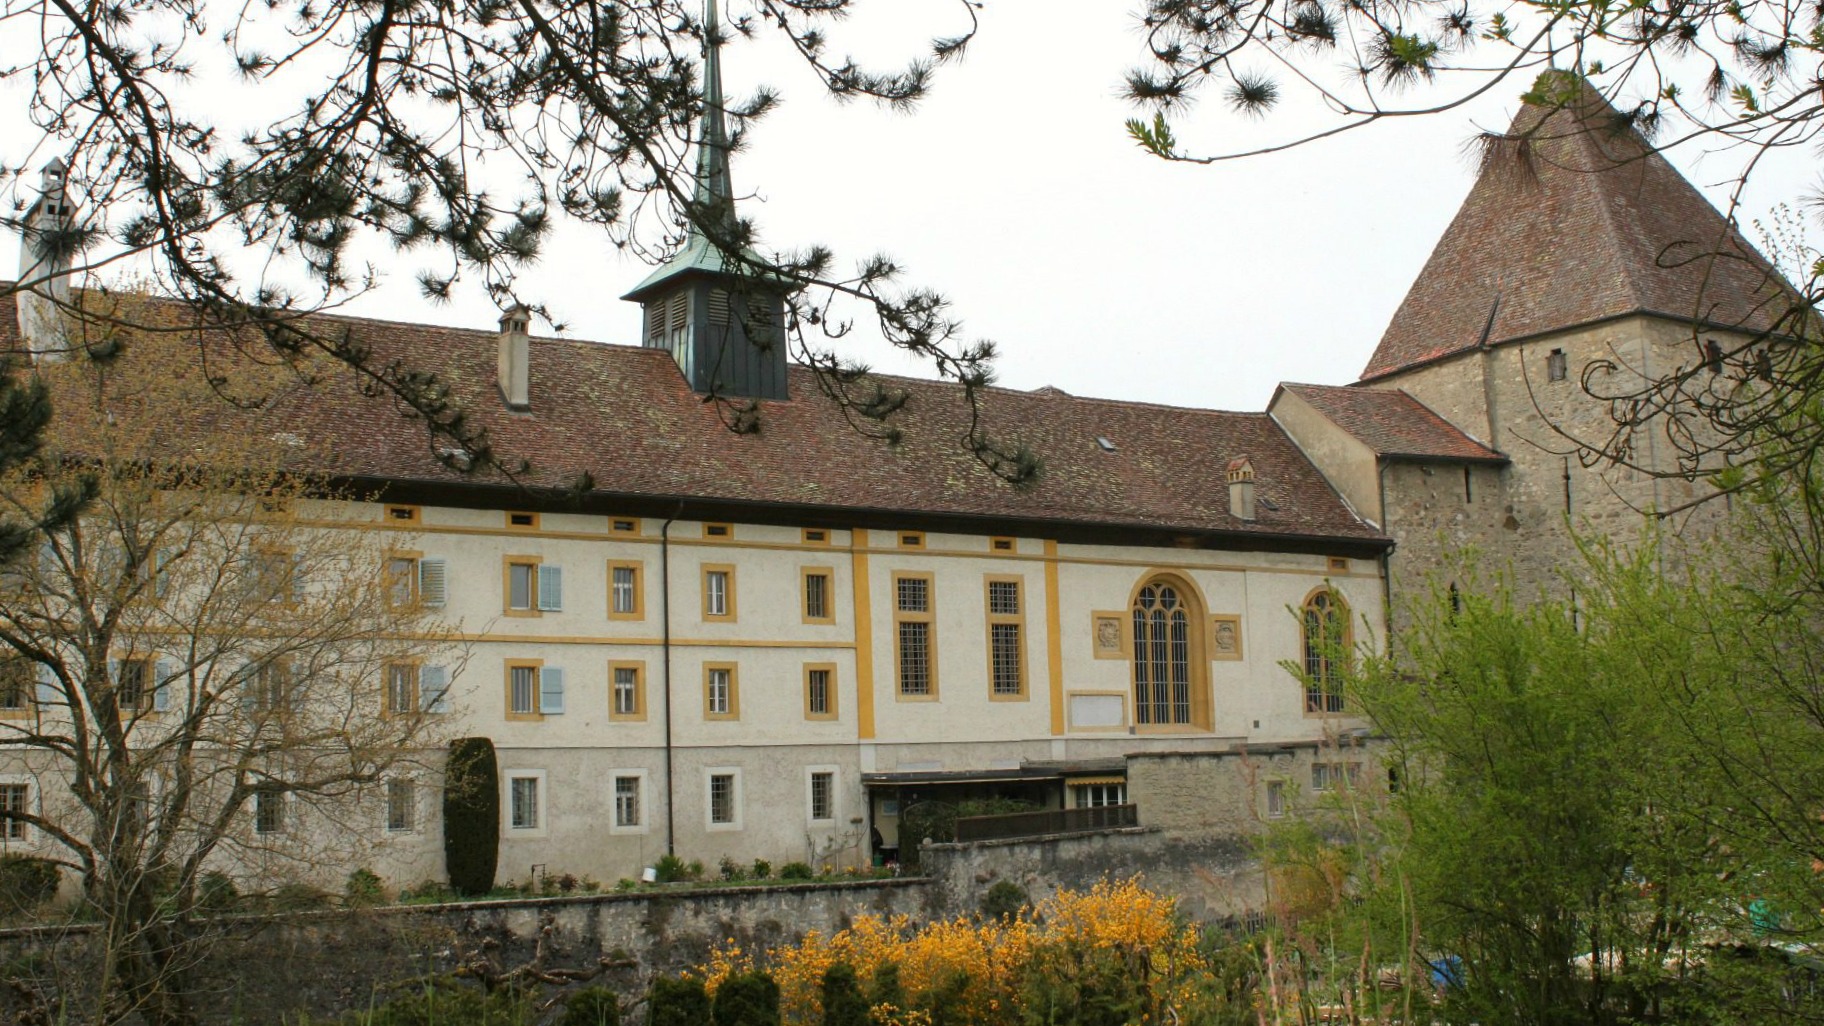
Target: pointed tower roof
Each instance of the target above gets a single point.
(1573, 219)
(714, 191)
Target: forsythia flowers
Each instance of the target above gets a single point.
(1117, 942)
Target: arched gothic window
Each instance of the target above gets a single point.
(1168, 657)
(1326, 643)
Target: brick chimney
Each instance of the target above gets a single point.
(45, 254)
(1241, 488)
(515, 372)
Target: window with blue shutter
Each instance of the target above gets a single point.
(48, 692)
(551, 690)
(550, 588)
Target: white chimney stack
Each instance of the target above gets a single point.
(515, 358)
(45, 254)
(1241, 488)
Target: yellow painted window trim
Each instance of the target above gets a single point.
(804, 536)
(730, 611)
(734, 691)
(639, 589)
(909, 539)
(386, 685)
(639, 690)
(929, 616)
(506, 585)
(388, 514)
(535, 665)
(386, 567)
(636, 529)
(1016, 619)
(1002, 543)
(828, 574)
(728, 531)
(511, 526)
(833, 713)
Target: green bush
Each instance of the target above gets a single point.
(592, 1006)
(729, 868)
(885, 988)
(670, 869)
(746, 999)
(1004, 901)
(762, 869)
(217, 893)
(445, 1003)
(843, 1003)
(26, 882)
(795, 871)
(677, 1002)
(471, 816)
(363, 889)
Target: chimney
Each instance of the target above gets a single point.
(515, 360)
(1241, 488)
(45, 252)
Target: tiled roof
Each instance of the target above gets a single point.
(1571, 222)
(1392, 423)
(625, 416)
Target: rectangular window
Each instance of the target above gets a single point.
(526, 521)
(817, 595)
(624, 525)
(524, 801)
(522, 690)
(913, 625)
(1327, 776)
(1276, 799)
(401, 806)
(15, 800)
(401, 688)
(1001, 544)
(718, 531)
(816, 536)
(823, 796)
(911, 539)
(722, 798)
(402, 581)
(16, 683)
(718, 592)
(521, 579)
(132, 683)
(624, 591)
(268, 810)
(272, 576)
(1095, 796)
(1006, 638)
(820, 691)
(626, 801)
(626, 697)
(272, 686)
(721, 692)
(402, 514)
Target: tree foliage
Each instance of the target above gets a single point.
(191, 661)
(454, 135)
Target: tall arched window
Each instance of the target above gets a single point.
(1326, 638)
(1169, 688)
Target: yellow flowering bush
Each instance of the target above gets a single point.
(1076, 946)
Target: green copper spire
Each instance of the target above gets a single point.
(714, 193)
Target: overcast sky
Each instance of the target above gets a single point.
(1014, 190)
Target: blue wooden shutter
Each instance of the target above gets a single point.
(551, 690)
(434, 688)
(550, 588)
(433, 587)
(161, 688)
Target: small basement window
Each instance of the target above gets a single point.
(624, 526)
(529, 520)
(403, 514)
(717, 531)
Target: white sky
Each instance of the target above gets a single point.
(1013, 190)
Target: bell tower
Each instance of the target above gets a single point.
(723, 321)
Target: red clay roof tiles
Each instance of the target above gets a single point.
(1392, 423)
(1572, 222)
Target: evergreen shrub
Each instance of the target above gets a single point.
(592, 1006)
(677, 1002)
(471, 816)
(746, 999)
(26, 882)
(843, 1002)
